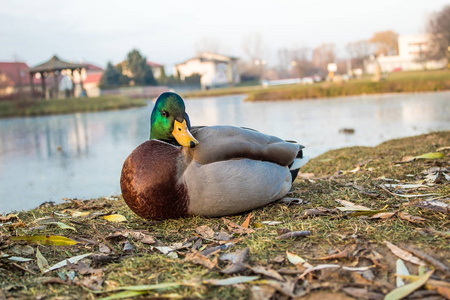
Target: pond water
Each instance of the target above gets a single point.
(81, 155)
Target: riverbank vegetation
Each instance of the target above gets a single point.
(397, 82)
(39, 107)
(354, 219)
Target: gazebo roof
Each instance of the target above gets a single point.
(55, 64)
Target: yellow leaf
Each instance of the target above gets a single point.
(80, 213)
(434, 155)
(403, 291)
(115, 218)
(295, 260)
(54, 240)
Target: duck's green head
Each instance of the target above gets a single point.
(170, 122)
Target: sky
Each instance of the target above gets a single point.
(167, 32)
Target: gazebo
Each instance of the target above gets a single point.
(54, 65)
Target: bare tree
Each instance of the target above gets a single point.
(358, 51)
(386, 42)
(323, 55)
(301, 60)
(207, 44)
(256, 51)
(439, 28)
(284, 63)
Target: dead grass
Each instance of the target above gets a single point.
(324, 180)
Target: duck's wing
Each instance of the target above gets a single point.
(234, 186)
(221, 143)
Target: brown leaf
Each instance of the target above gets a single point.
(223, 236)
(267, 272)
(83, 269)
(430, 206)
(351, 205)
(142, 237)
(428, 258)
(234, 228)
(293, 234)
(237, 259)
(278, 259)
(93, 282)
(118, 235)
(405, 255)
(362, 293)
(199, 259)
(247, 221)
(9, 218)
(413, 219)
(236, 256)
(343, 254)
(102, 248)
(262, 292)
(433, 231)
(383, 215)
(205, 231)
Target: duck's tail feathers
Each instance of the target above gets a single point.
(298, 163)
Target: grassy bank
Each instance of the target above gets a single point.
(25, 108)
(131, 253)
(424, 81)
(399, 82)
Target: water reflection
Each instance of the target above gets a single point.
(81, 155)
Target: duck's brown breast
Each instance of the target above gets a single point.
(150, 184)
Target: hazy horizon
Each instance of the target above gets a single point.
(168, 32)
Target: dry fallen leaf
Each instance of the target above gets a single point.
(350, 206)
(115, 218)
(142, 237)
(401, 269)
(413, 219)
(54, 240)
(405, 255)
(293, 234)
(231, 281)
(267, 272)
(297, 260)
(383, 215)
(199, 259)
(41, 261)
(403, 291)
(234, 228)
(205, 231)
(246, 223)
(63, 263)
(362, 293)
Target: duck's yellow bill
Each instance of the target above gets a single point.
(182, 135)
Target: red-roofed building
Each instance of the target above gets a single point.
(91, 80)
(14, 78)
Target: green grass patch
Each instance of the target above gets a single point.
(26, 108)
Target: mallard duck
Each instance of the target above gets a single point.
(207, 171)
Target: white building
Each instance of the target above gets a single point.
(215, 69)
(412, 56)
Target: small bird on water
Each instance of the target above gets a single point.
(206, 171)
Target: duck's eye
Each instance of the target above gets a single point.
(164, 114)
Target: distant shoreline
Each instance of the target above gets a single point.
(394, 83)
(41, 107)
